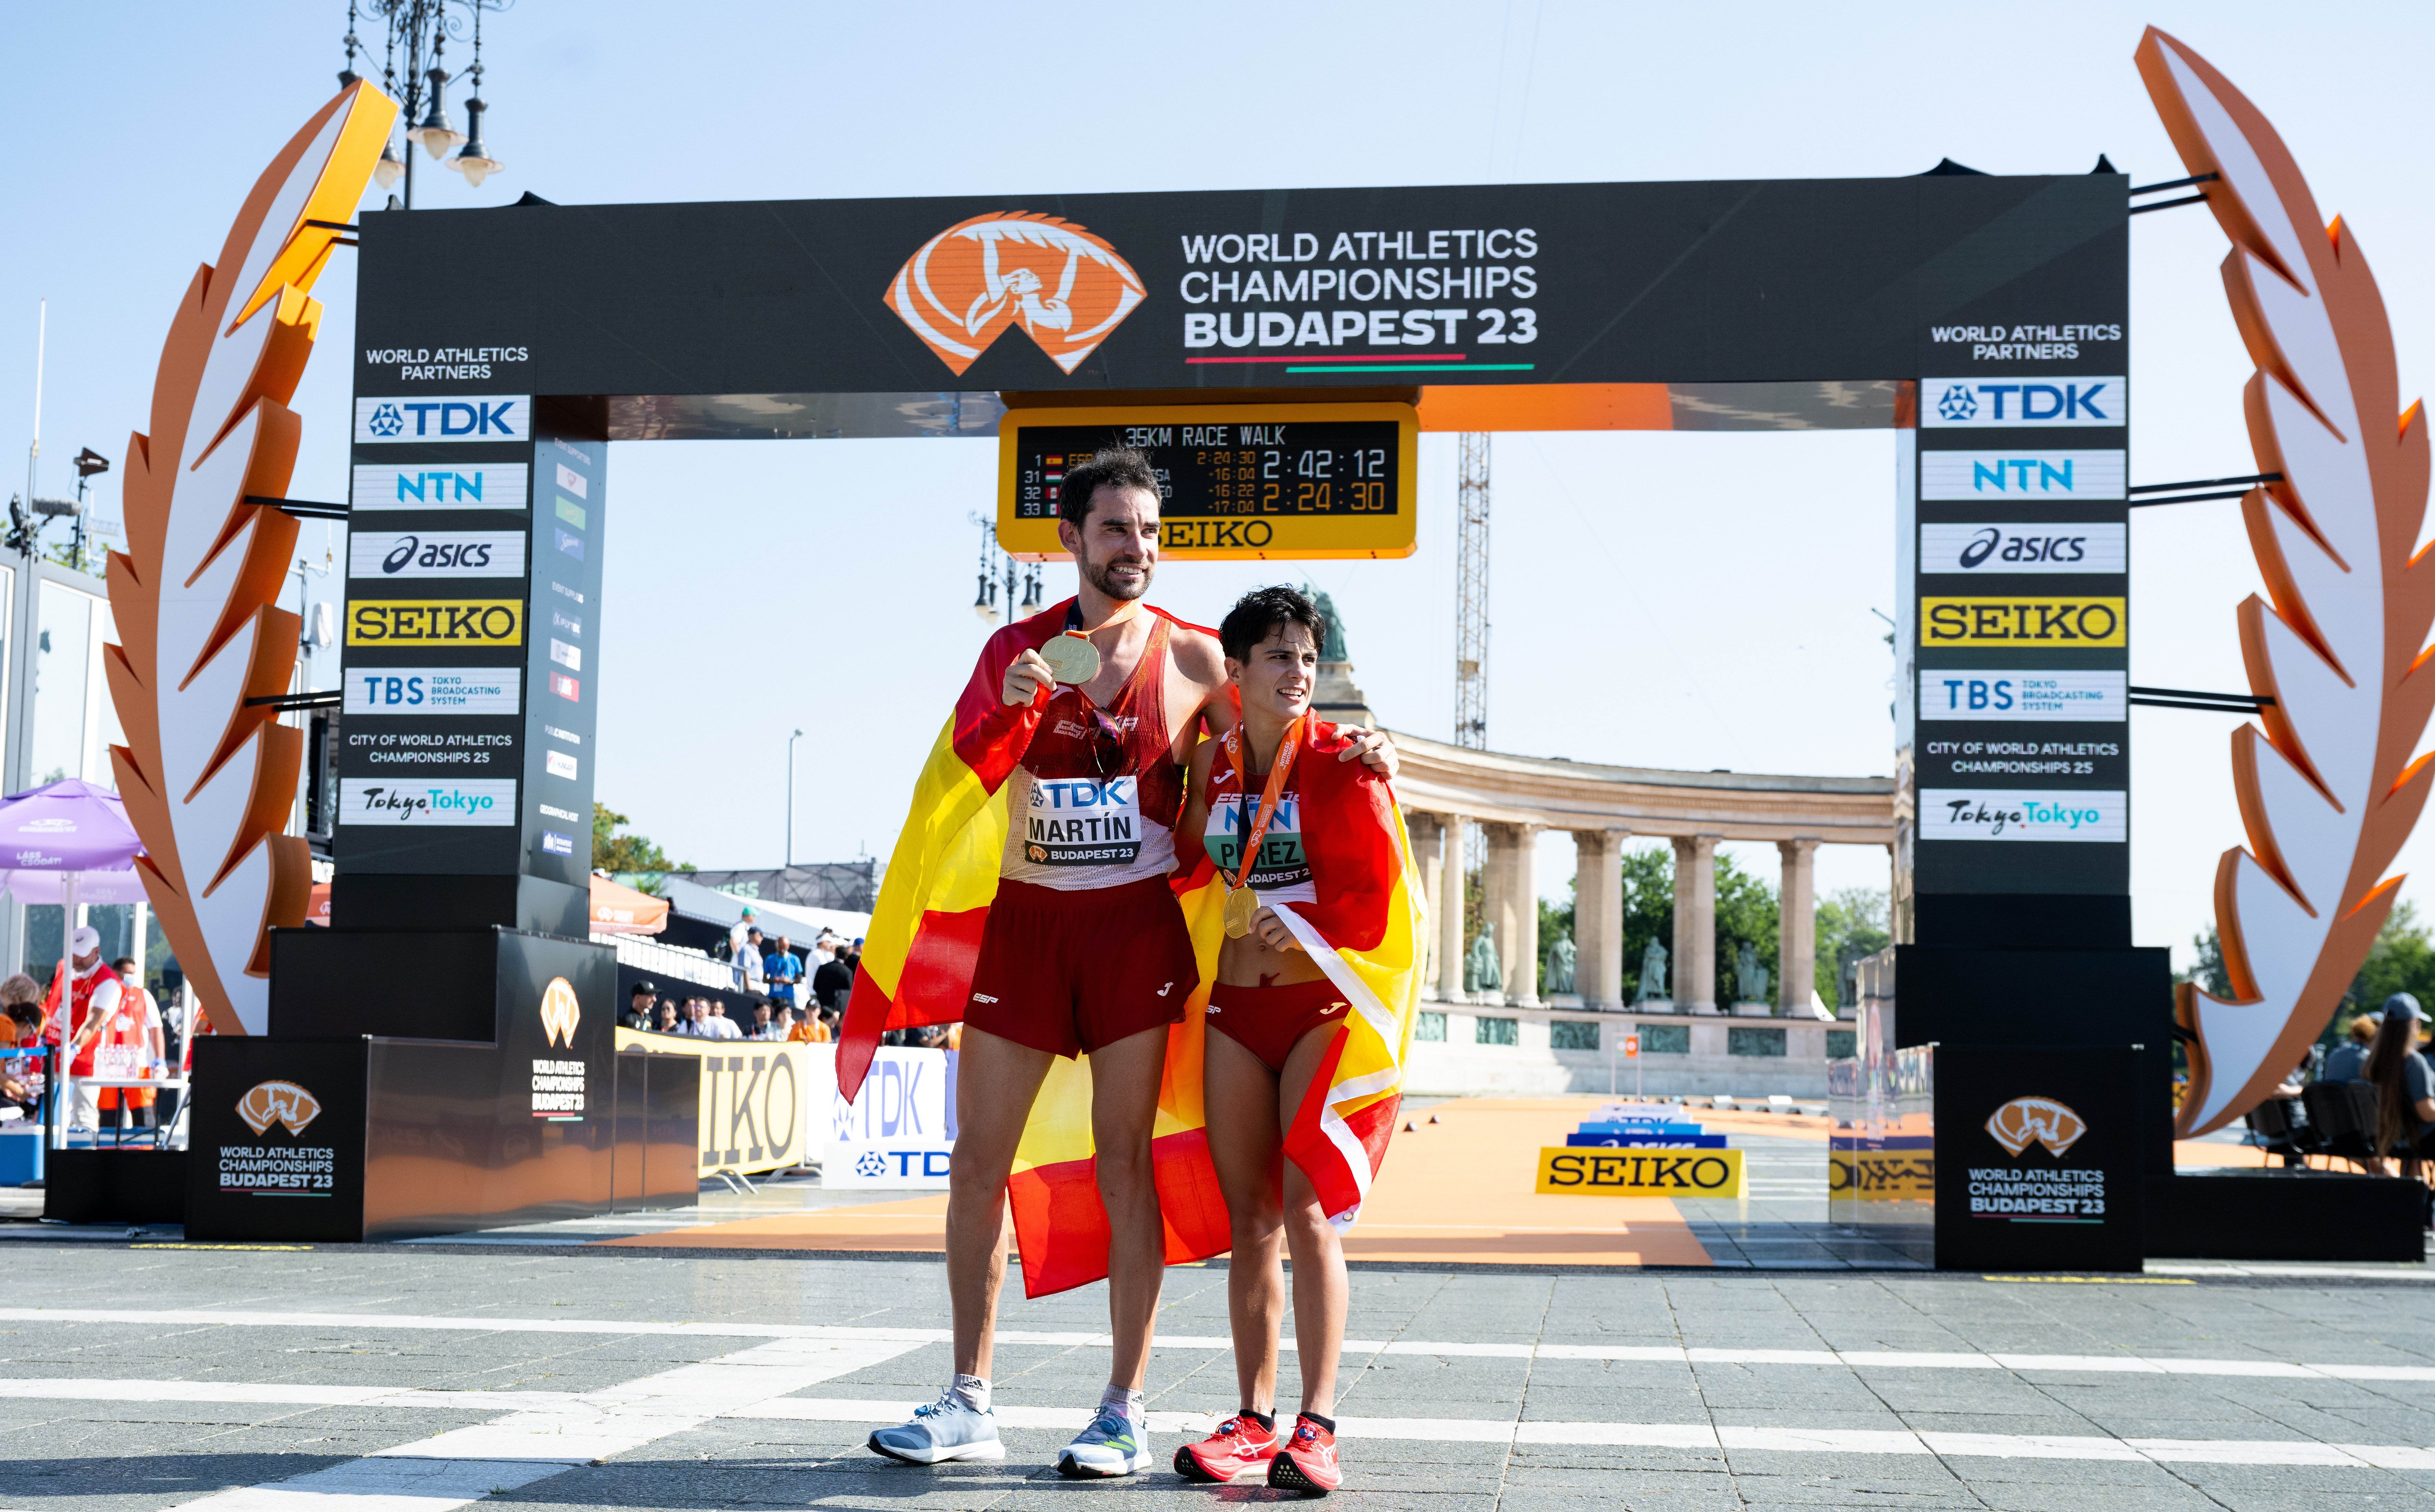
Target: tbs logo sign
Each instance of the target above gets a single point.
(474, 418)
(2009, 404)
(436, 554)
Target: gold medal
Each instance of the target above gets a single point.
(1071, 658)
(1242, 906)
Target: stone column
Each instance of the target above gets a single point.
(1450, 885)
(1427, 833)
(1522, 901)
(1796, 952)
(1694, 967)
(1598, 918)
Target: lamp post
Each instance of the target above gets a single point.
(790, 795)
(419, 30)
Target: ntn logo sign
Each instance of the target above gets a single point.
(2078, 547)
(1989, 404)
(2094, 696)
(2013, 813)
(434, 486)
(2024, 475)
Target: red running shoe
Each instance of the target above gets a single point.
(1239, 1445)
(1306, 1462)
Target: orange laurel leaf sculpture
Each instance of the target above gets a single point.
(209, 779)
(2331, 787)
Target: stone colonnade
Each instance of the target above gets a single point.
(1601, 976)
(1512, 800)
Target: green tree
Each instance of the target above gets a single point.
(1648, 910)
(1746, 914)
(1851, 924)
(612, 851)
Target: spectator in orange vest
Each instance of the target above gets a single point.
(91, 1001)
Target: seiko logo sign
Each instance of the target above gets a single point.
(1992, 403)
(2096, 697)
(436, 554)
(1984, 550)
(378, 800)
(471, 418)
(2008, 814)
(424, 485)
(2039, 475)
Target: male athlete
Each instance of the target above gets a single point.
(1084, 951)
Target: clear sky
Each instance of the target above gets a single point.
(1694, 601)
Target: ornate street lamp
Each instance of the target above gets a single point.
(417, 33)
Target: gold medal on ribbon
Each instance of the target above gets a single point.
(1071, 658)
(1242, 906)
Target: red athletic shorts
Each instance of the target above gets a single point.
(1269, 1020)
(1070, 972)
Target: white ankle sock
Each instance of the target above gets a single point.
(1136, 1404)
(972, 1391)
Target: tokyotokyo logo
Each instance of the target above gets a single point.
(2026, 1121)
(1067, 288)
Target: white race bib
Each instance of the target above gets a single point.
(1083, 821)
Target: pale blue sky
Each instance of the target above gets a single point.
(756, 587)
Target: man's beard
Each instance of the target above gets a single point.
(1096, 574)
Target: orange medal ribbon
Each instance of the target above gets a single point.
(1242, 904)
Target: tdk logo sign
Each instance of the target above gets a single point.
(2004, 404)
(473, 418)
(436, 554)
(1985, 550)
(426, 486)
(2034, 475)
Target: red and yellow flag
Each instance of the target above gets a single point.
(924, 939)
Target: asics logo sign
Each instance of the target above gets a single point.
(1988, 404)
(436, 554)
(2097, 548)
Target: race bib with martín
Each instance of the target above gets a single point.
(1083, 821)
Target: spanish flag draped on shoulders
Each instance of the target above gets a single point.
(925, 941)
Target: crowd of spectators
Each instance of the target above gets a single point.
(787, 996)
(2386, 1122)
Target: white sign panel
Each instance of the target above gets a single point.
(433, 690)
(1986, 550)
(2010, 404)
(366, 801)
(2092, 698)
(438, 486)
(2013, 814)
(2059, 476)
(435, 553)
(896, 1135)
(458, 418)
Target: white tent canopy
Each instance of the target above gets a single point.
(798, 924)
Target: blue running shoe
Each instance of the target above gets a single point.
(1111, 1445)
(942, 1431)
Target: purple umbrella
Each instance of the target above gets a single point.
(67, 842)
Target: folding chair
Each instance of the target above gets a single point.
(2343, 1114)
(2277, 1134)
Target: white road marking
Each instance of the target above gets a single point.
(1653, 1353)
(553, 1432)
(555, 1429)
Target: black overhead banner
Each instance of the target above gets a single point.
(1721, 281)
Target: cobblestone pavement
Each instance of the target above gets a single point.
(143, 1375)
